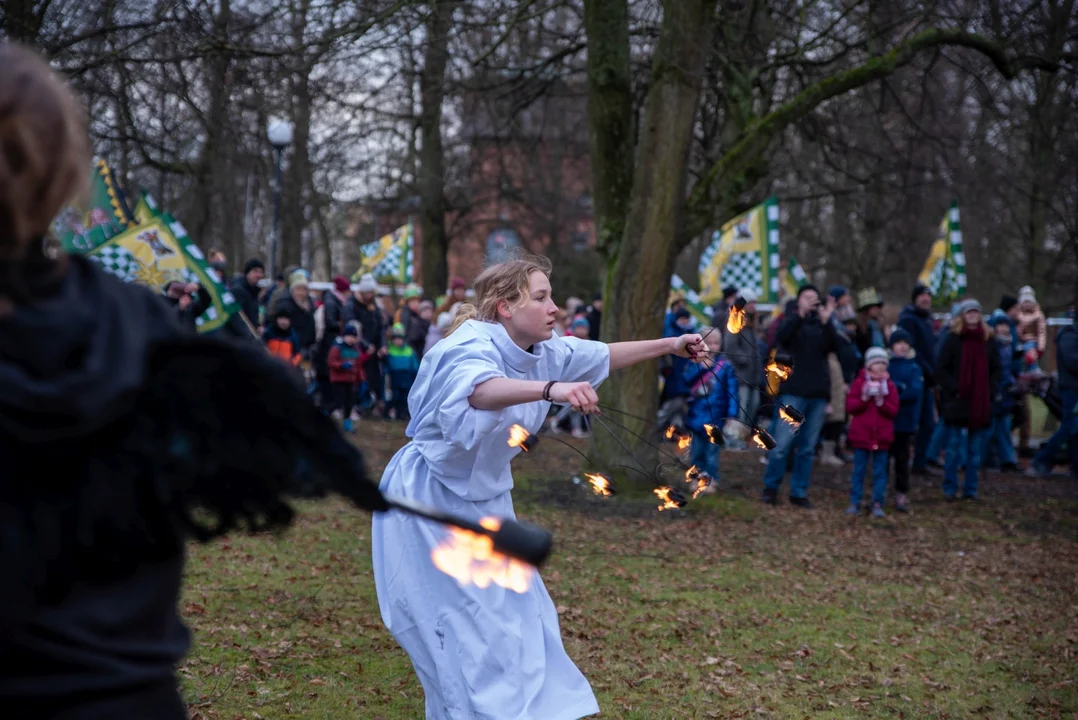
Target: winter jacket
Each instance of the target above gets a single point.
(1067, 358)
(246, 296)
(1003, 396)
(415, 334)
(302, 320)
(595, 319)
(402, 365)
(713, 394)
(335, 314)
(371, 322)
(106, 411)
(740, 350)
(809, 342)
(906, 375)
(918, 323)
(189, 316)
(953, 409)
(1032, 327)
(838, 390)
(872, 426)
(675, 372)
(283, 344)
(345, 362)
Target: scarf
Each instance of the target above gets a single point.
(973, 377)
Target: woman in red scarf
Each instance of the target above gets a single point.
(967, 371)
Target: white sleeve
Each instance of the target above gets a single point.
(587, 361)
(462, 368)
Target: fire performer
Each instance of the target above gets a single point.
(489, 652)
(121, 436)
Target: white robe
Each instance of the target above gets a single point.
(481, 654)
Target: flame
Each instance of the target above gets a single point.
(684, 441)
(736, 320)
(518, 436)
(600, 484)
(763, 439)
(671, 432)
(782, 372)
(787, 417)
(703, 481)
(692, 474)
(714, 434)
(470, 558)
(671, 498)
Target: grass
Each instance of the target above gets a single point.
(727, 610)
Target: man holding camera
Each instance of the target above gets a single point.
(808, 337)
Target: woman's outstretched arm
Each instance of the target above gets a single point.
(624, 354)
(500, 393)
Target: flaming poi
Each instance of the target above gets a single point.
(671, 498)
(470, 559)
(521, 438)
(714, 435)
(600, 484)
(763, 439)
(736, 320)
(703, 482)
(692, 475)
(791, 415)
(683, 439)
(782, 372)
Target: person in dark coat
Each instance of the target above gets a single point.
(595, 316)
(297, 303)
(122, 437)
(906, 374)
(189, 301)
(1067, 365)
(245, 289)
(916, 319)
(740, 349)
(365, 310)
(336, 313)
(808, 336)
(967, 372)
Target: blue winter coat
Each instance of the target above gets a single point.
(713, 396)
(1003, 398)
(918, 323)
(906, 375)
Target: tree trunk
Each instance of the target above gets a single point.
(21, 21)
(210, 162)
(431, 154)
(638, 276)
(296, 176)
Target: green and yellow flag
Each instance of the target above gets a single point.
(699, 310)
(391, 257)
(744, 254)
(105, 214)
(145, 209)
(944, 272)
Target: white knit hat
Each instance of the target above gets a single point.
(367, 283)
(876, 354)
(748, 293)
(1026, 293)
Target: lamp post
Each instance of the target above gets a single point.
(279, 133)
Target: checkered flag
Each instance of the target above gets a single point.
(118, 261)
(391, 256)
(744, 270)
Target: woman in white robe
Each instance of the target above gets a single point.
(488, 653)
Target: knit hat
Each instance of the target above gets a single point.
(412, 292)
(901, 335)
(868, 297)
(367, 284)
(682, 313)
(426, 304)
(837, 292)
(1026, 294)
(397, 330)
(297, 279)
(918, 290)
(997, 317)
(340, 284)
(728, 292)
(748, 293)
(350, 328)
(253, 264)
(580, 322)
(1006, 302)
(966, 305)
(875, 354)
(457, 282)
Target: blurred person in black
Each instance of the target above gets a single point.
(121, 437)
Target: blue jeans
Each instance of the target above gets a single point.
(939, 440)
(705, 455)
(999, 445)
(1067, 433)
(926, 424)
(802, 441)
(963, 445)
(861, 459)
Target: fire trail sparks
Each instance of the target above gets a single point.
(521, 438)
(782, 372)
(683, 440)
(671, 498)
(470, 558)
(600, 484)
(791, 415)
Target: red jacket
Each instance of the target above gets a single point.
(341, 354)
(872, 426)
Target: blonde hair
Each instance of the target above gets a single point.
(506, 281)
(958, 323)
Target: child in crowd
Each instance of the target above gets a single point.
(346, 359)
(402, 365)
(580, 328)
(1032, 329)
(873, 403)
(281, 340)
(908, 379)
(1000, 445)
(713, 400)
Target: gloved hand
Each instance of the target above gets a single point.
(347, 365)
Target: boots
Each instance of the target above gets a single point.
(829, 454)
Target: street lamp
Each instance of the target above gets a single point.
(279, 133)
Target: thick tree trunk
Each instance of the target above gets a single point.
(296, 176)
(638, 277)
(431, 154)
(210, 163)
